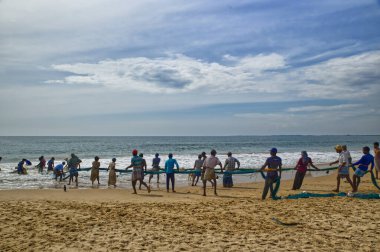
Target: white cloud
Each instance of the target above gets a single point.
(355, 76)
(174, 74)
(323, 108)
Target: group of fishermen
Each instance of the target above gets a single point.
(204, 169)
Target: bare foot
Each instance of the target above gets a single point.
(148, 189)
(335, 190)
(173, 191)
(204, 194)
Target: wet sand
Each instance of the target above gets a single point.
(236, 220)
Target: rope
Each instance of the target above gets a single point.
(190, 171)
(374, 182)
(306, 195)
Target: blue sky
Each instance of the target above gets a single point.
(189, 67)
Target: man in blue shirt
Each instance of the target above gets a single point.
(274, 164)
(20, 166)
(58, 171)
(169, 170)
(50, 165)
(366, 160)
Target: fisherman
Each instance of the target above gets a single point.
(112, 173)
(58, 171)
(209, 170)
(41, 165)
(229, 165)
(348, 154)
(50, 164)
(169, 171)
(156, 167)
(303, 163)
(136, 163)
(274, 164)
(198, 170)
(143, 170)
(74, 165)
(95, 170)
(363, 164)
(343, 169)
(20, 167)
(204, 156)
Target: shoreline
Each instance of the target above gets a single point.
(183, 187)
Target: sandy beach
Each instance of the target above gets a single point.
(236, 220)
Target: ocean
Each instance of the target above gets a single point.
(250, 150)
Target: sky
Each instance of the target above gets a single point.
(171, 67)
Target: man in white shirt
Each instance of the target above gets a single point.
(348, 154)
(343, 168)
(209, 170)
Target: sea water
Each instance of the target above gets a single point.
(251, 151)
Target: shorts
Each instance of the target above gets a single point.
(272, 175)
(156, 168)
(73, 171)
(198, 173)
(359, 173)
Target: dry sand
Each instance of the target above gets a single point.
(237, 220)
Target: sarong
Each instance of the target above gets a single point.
(227, 180)
(111, 177)
(298, 179)
(136, 174)
(209, 174)
(94, 174)
(377, 165)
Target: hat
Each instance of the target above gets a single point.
(338, 147)
(273, 150)
(134, 152)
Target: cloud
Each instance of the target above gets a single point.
(354, 76)
(323, 108)
(174, 74)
